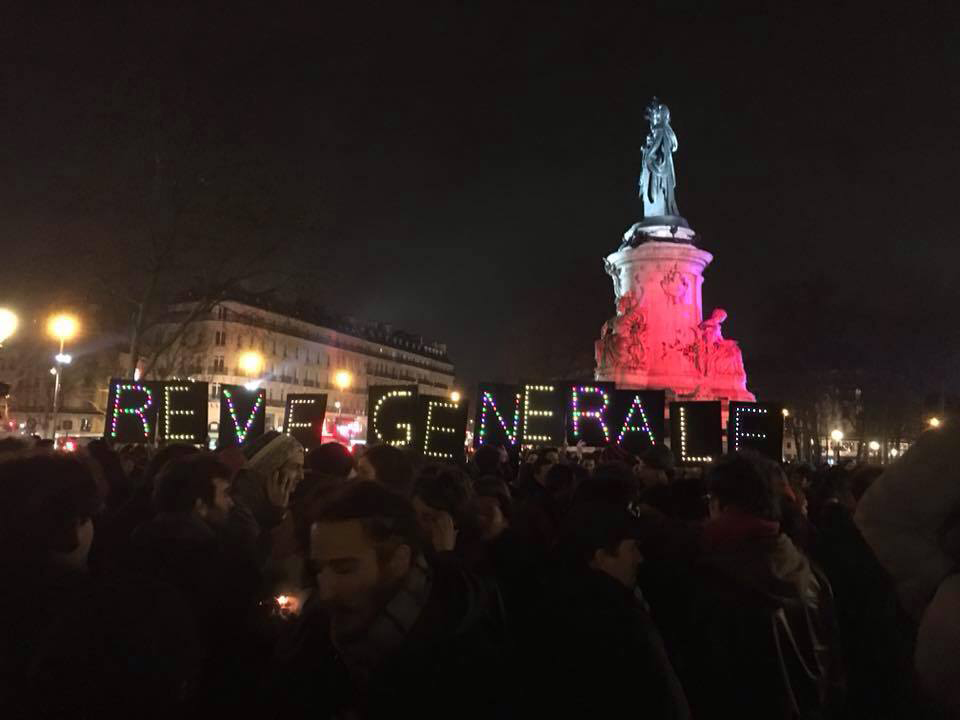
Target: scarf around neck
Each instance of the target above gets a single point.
(363, 652)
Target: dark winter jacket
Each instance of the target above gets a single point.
(594, 652)
(876, 634)
(223, 588)
(450, 664)
(758, 633)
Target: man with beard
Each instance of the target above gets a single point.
(386, 633)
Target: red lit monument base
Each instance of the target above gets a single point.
(658, 339)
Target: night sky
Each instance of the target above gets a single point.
(460, 169)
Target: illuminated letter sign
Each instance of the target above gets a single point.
(184, 413)
(756, 426)
(588, 411)
(494, 427)
(642, 414)
(303, 416)
(543, 407)
(392, 415)
(243, 415)
(132, 414)
(695, 432)
(444, 427)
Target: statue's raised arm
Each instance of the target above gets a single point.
(657, 179)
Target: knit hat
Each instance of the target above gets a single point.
(271, 456)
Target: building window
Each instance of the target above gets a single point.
(218, 363)
(67, 425)
(86, 425)
(221, 312)
(214, 390)
(284, 349)
(239, 341)
(274, 347)
(220, 338)
(296, 352)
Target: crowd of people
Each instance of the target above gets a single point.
(279, 583)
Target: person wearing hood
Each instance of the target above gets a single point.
(910, 516)
(758, 633)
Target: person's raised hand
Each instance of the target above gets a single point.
(279, 487)
(444, 532)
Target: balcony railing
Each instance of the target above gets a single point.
(324, 339)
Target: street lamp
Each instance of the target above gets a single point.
(62, 327)
(251, 362)
(874, 446)
(786, 413)
(343, 379)
(837, 436)
(934, 422)
(8, 324)
(455, 396)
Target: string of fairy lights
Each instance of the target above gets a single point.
(142, 399)
(636, 407)
(297, 424)
(169, 413)
(140, 411)
(488, 403)
(683, 442)
(529, 413)
(375, 419)
(635, 421)
(738, 412)
(599, 415)
(241, 433)
(431, 429)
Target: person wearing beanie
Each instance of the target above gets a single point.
(262, 488)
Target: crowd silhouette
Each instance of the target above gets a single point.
(271, 582)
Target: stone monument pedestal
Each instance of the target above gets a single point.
(658, 339)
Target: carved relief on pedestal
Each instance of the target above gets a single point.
(675, 286)
(621, 343)
(724, 356)
(702, 350)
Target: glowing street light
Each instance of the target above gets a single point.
(8, 324)
(837, 436)
(786, 413)
(934, 422)
(874, 445)
(63, 327)
(455, 396)
(343, 379)
(251, 362)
